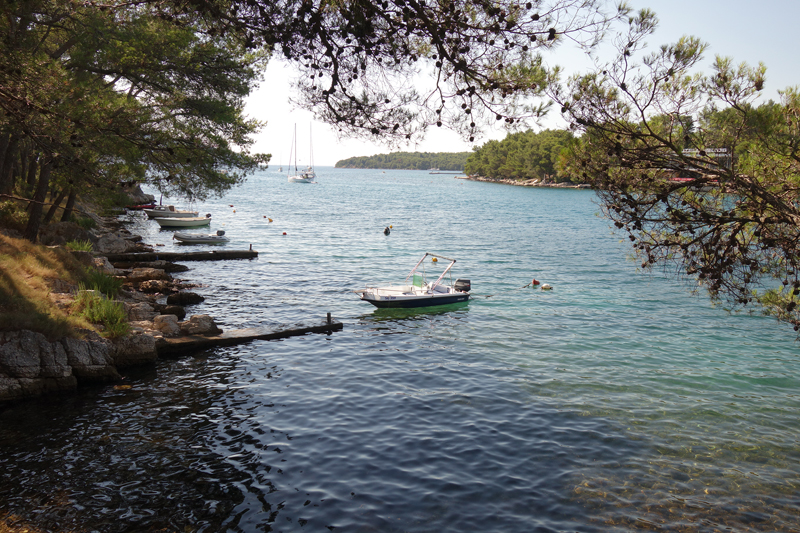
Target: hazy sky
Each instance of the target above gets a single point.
(744, 30)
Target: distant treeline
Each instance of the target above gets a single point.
(409, 161)
(523, 156)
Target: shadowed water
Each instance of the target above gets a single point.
(616, 402)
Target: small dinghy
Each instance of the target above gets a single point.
(200, 238)
(183, 222)
(420, 293)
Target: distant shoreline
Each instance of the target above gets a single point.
(527, 183)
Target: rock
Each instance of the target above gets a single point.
(138, 275)
(111, 243)
(135, 296)
(85, 258)
(139, 311)
(30, 365)
(154, 286)
(91, 359)
(60, 233)
(134, 350)
(168, 325)
(103, 265)
(136, 195)
(200, 325)
(176, 310)
(25, 354)
(184, 298)
(36, 387)
(61, 286)
(10, 389)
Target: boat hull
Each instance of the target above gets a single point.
(167, 213)
(180, 222)
(193, 238)
(399, 302)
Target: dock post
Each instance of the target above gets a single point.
(329, 318)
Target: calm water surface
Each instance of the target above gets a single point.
(616, 402)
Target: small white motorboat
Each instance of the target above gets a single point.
(168, 211)
(183, 222)
(420, 293)
(200, 238)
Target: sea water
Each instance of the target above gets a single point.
(618, 401)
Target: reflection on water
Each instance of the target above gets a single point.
(615, 402)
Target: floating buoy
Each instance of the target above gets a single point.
(535, 282)
(546, 287)
(391, 227)
(230, 205)
(234, 210)
(265, 216)
(284, 233)
(269, 219)
(434, 260)
(386, 231)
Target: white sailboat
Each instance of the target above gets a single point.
(306, 175)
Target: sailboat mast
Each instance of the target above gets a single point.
(310, 146)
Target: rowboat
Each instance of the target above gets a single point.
(168, 211)
(420, 292)
(183, 222)
(200, 238)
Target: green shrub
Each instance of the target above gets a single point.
(99, 281)
(80, 246)
(13, 215)
(86, 222)
(97, 309)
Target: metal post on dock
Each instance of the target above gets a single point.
(329, 318)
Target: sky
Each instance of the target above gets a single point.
(747, 31)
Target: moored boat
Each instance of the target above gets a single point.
(168, 211)
(307, 175)
(140, 207)
(183, 222)
(200, 238)
(420, 292)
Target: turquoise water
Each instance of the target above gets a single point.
(618, 401)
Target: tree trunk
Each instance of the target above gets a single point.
(53, 208)
(70, 204)
(33, 166)
(37, 205)
(8, 165)
(4, 140)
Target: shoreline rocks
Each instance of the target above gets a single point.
(529, 183)
(31, 365)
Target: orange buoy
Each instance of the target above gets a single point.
(284, 233)
(535, 282)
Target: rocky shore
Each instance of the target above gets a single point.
(155, 303)
(529, 183)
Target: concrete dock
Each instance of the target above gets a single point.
(192, 343)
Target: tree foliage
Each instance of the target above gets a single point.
(92, 95)
(408, 161)
(525, 155)
(694, 172)
(395, 67)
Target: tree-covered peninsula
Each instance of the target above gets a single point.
(409, 161)
(523, 156)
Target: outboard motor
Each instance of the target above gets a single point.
(462, 285)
